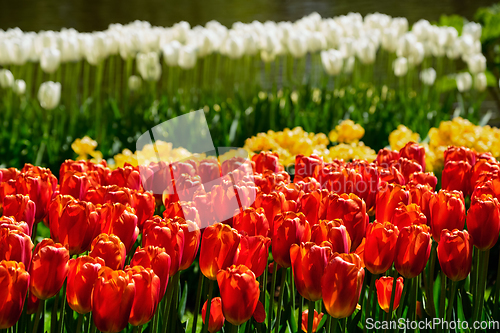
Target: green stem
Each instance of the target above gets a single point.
(393, 295)
(209, 305)
(413, 299)
(333, 327)
(41, 305)
(497, 291)
(198, 302)
(372, 299)
(280, 299)
(442, 296)
(53, 315)
(430, 284)
(310, 316)
(168, 303)
(454, 286)
(60, 327)
(271, 300)
(79, 323)
(301, 307)
(483, 258)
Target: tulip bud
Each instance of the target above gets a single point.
(14, 282)
(82, 275)
(308, 264)
(341, 285)
(49, 95)
(134, 83)
(464, 81)
(483, 221)
(316, 320)
(428, 76)
(216, 320)
(112, 300)
(49, 268)
(110, 249)
(19, 87)
(447, 210)
(454, 253)
(240, 293)
(50, 60)
(6, 78)
(384, 287)
(413, 249)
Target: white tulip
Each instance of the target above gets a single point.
(19, 87)
(406, 44)
(70, 49)
(464, 81)
(332, 32)
(332, 61)
(480, 82)
(389, 39)
(476, 63)
(50, 60)
(400, 66)
(171, 53)
(417, 54)
(187, 57)
(182, 29)
(316, 42)
(233, 46)
(428, 76)
(349, 64)
(134, 83)
(148, 65)
(346, 46)
(44, 40)
(6, 52)
(297, 44)
(422, 30)
(400, 24)
(366, 51)
(6, 78)
(49, 95)
(473, 29)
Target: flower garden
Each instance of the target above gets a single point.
(365, 196)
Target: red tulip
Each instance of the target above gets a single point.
(240, 292)
(380, 246)
(112, 300)
(266, 160)
(413, 249)
(15, 246)
(290, 228)
(385, 157)
(414, 151)
(333, 232)
(307, 166)
(147, 294)
(157, 259)
(72, 223)
(384, 287)
(144, 205)
(128, 176)
(447, 210)
(253, 252)
(483, 221)
(388, 199)
(454, 253)
(192, 238)
(316, 320)
(456, 176)
(341, 284)
(421, 195)
(82, 275)
(121, 221)
(252, 221)
(40, 188)
(311, 205)
(352, 211)
(21, 207)
(406, 215)
(14, 282)
(454, 153)
(271, 203)
(8, 222)
(308, 264)
(109, 248)
(49, 268)
(216, 320)
(219, 244)
(74, 183)
(423, 179)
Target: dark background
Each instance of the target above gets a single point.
(91, 15)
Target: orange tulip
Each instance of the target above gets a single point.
(219, 244)
(388, 199)
(49, 268)
(483, 221)
(308, 264)
(316, 320)
(14, 282)
(112, 300)
(240, 292)
(380, 246)
(253, 252)
(413, 249)
(168, 235)
(454, 253)
(333, 232)
(252, 221)
(352, 211)
(121, 221)
(21, 207)
(290, 228)
(456, 176)
(72, 223)
(15, 246)
(384, 287)
(82, 275)
(110, 249)
(147, 294)
(447, 210)
(341, 285)
(406, 215)
(217, 319)
(155, 258)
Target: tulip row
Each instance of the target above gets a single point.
(340, 236)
